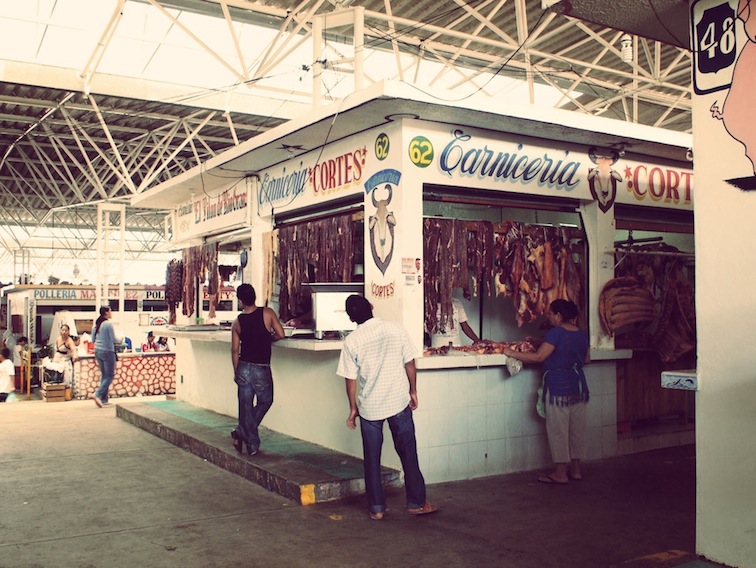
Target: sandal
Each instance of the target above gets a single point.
(377, 516)
(424, 510)
(550, 479)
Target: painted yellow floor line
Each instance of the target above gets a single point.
(307, 494)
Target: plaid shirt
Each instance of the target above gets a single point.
(375, 354)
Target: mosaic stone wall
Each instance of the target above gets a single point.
(136, 375)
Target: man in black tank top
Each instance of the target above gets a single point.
(252, 334)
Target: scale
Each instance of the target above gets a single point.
(329, 306)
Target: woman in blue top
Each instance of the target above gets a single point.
(104, 341)
(564, 351)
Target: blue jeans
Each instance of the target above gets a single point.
(403, 431)
(253, 380)
(106, 361)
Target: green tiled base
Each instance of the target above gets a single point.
(304, 472)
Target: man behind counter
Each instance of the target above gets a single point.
(451, 334)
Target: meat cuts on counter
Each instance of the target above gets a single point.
(486, 347)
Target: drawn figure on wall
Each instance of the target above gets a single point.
(382, 229)
(737, 109)
(603, 178)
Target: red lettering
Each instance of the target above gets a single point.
(382, 290)
(637, 181)
(337, 172)
(313, 173)
(673, 181)
(687, 179)
(655, 178)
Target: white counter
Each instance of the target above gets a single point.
(473, 419)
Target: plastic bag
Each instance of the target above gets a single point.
(540, 403)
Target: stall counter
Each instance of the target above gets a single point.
(473, 419)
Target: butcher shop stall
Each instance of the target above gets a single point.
(425, 207)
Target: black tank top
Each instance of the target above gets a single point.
(255, 338)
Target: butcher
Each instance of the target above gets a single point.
(449, 334)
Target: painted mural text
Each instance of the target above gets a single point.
(213, 207)
(660, 184)
(462, 157)
(338, 172)
(285, 187)
(382, 290)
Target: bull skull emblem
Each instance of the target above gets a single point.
(382, 230)
(603, 178)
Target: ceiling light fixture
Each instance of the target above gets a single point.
(626, 41)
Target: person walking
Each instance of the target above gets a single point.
(379, 357)
(104, 339)
(564, 352)
(252, 334)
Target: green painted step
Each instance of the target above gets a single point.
(302, 471)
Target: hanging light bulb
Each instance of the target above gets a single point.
(626, 41)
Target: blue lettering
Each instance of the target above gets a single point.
(507, 166)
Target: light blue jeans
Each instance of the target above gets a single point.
(253, 380)
(106, 361)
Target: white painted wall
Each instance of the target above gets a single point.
(471, 422)
(726, 400)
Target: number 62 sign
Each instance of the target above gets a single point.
(716, 35)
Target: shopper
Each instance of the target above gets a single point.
(149, 345)
(252, 335)
(104, 339)
(564, 351)
(379, 358)
(19, 359)
(7, 374)
(66, 352)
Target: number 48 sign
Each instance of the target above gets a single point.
(716, 34)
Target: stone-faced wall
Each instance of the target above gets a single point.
(136, 375)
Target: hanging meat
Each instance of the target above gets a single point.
(445, 268)
(322, 249)
(625, 301)
(197, 261)
(534, 265)
(675, 333)
(174, 285)
(213, 278)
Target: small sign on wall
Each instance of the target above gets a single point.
(714, 35)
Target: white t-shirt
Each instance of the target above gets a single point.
(7, 376)
(451, 333)
(16, 353)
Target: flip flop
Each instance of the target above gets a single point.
(549, 479)
(377, 516)
(576, 477)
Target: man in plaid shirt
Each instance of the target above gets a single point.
(379, 355)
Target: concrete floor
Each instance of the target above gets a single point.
(82, 488)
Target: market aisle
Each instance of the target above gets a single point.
(82, 488)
